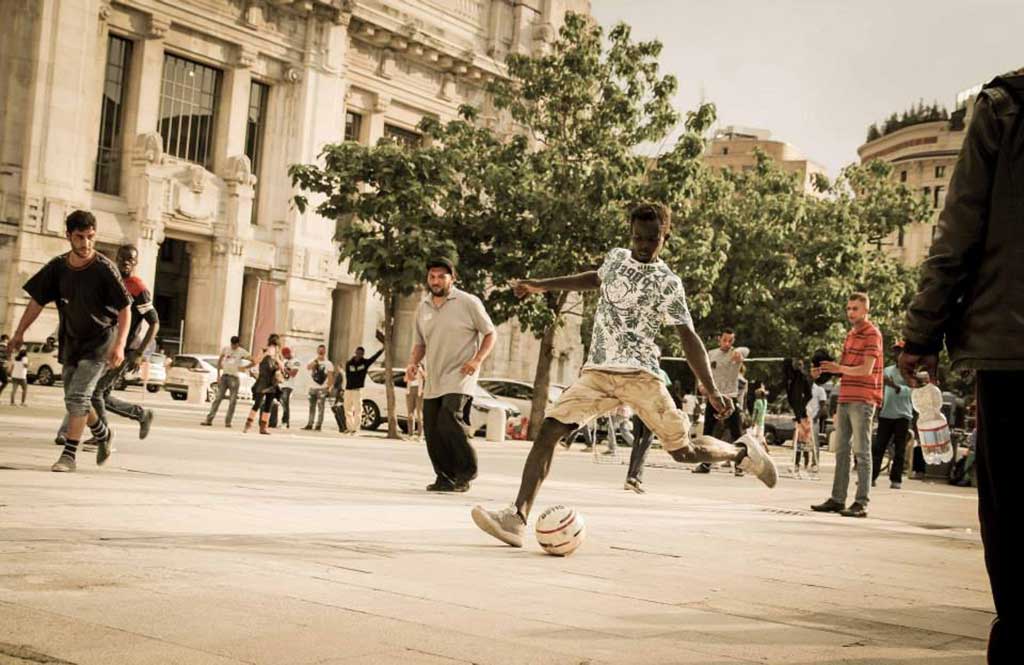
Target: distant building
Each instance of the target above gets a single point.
(733, 148)
(923, 155)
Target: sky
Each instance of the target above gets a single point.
(816, 73)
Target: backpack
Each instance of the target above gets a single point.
(319, 374)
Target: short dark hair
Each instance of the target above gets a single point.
(442, 262)
(728, 331)
(274, 340)
(321, 346)
(235, 339)
(652, 212)
(359, 348)
(124, 249)
(80, 220)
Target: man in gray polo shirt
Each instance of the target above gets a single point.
(454, 335)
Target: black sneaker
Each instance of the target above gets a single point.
(462, 486)
(633, 485)
(145, 423)
(104, 448)
(307, 427)
(60, 440)
(442, 485)
(855, 510)
(703, 467)
(207, 423)
(829, 506)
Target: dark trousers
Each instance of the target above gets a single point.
(642, 439)
(999, 500)
(445, 425)
(733, 422)
(890, 430)
(105, 401)
(286, 404)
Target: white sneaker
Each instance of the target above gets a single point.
(758, 461)
(506, 525)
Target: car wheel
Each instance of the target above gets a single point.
(371, 416)
(152, 388)
(178, 396)
(44, 376)
(771, 437)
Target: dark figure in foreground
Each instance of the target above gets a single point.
(971, 298)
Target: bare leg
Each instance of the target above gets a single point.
(709, 449)
(538, 463)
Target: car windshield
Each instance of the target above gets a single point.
(188, 362)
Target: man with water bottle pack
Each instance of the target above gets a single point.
(971, 298)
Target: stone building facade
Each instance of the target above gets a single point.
(733, 148)
(923, 157)
(175, 123)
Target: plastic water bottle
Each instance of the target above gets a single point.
(931, 424)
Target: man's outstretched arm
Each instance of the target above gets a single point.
(584, 281)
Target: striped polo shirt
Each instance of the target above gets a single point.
(862, 342)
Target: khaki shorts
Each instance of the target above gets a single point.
(597, 392)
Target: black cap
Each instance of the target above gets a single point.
(442, 262)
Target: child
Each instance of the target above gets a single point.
(19, 376)
(760, 409)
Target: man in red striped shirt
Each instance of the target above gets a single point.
(860, 393)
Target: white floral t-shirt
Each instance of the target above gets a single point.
(637, 299)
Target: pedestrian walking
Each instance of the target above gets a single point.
(643, 437)
(321, 371)
(726, 362)
(860, 393)
(971, 297)
(94, 309)
(414, 402)
(291, 369)
(638, 295)
(454, 335)
(233, 358)
(19, 376)
(893, 423)
(355, 379)
(760, 409)
(269, 368)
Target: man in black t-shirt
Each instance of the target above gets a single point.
(93, 306)
(355, 379)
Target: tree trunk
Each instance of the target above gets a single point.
(389, 380)
(542, 377)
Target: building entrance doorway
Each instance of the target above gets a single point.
(170, 294)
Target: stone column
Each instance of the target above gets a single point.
(235, 109)
(147, 72)
(214, 294)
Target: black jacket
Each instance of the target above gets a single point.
(971, 294)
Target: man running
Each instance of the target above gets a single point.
(95, 316)
(639, 294)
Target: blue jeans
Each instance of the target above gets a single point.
(80, 382)
(853, 439)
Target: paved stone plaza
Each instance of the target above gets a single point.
(202, 545)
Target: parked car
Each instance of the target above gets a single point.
(44, 365)
(518, 393)
(778, 428)
(375, 403)
(154, 366)
(188, 365)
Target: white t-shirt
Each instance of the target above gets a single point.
(725, 370)
(637, 300)
(291, 368)
(20, 369)
(231, 360)
(818, 395)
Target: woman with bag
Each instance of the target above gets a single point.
(270, 367)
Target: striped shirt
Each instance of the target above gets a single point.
(862, 342)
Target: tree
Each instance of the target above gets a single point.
(385, 200)
(553, 199)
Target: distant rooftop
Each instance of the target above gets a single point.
(736, 132)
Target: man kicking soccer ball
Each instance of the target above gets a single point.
(639, 294)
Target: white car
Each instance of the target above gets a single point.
(154, 370)
(185, 366)
(44, 365)
(518, 393)
(375, 402)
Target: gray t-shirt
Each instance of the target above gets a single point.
(725, 371)
(451, 334)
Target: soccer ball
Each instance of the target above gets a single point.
(560, 530)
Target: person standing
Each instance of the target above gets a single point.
(860, 393)
(321, 370)
(643, 437)
(94, 309)
(893, 423)
(19, 376)
(270, 375)
(971, 298)
(815, 406)
(228, 365)
(455, 335)
(291, 367)
(760, 409)
(414, 403)
(355, 379)
(726, 362)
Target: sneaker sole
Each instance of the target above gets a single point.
(483, 520)
(769, 474)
